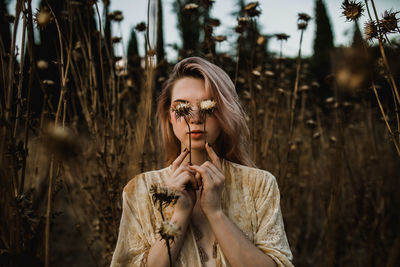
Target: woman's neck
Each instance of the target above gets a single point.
(198, 157)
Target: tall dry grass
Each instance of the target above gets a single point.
(63, 170)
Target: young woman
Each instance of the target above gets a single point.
(228, 212)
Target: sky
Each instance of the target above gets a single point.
(278, 16)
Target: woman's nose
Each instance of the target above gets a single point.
(196, 117)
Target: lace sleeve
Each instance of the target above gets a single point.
(131, 248)
(270, 234)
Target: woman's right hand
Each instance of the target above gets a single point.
(182, 180)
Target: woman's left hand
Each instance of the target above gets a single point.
(212, 178)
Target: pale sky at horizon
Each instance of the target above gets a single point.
(276, 17)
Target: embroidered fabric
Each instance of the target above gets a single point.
(250, 199)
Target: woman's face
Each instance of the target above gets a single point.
(192, 90)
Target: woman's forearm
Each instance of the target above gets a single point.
(158, 253)
(238, 250)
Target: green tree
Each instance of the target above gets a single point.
(323, 47)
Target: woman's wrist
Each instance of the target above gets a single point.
(214, 214)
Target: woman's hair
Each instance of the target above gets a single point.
(233, 140)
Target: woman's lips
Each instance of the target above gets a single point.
(197, 134)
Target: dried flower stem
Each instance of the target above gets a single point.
(296, 88)
(190, 140)
(392, 136)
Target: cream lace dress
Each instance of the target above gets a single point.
(250, 198)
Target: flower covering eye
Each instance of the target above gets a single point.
(182, 110)
(207, 107)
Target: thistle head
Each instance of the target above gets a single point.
(43, 17)
(163, 195)
(182, 110)
(370, 30)
(169, 230)
(207, 107)
(388, 23)
(352, 10)
(302, 21)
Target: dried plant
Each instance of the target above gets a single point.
(184, 110)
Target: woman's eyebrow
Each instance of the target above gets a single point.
(180, 101)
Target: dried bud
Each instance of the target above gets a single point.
(116, 39)
(207, 107)
(303, 16)
(169, 230)
(191, 7)
(243, 21)
(370, 30)
(163, 196)
(220, 38)
(388, 23)
(352, 10)
(214, 22)
(252, 9)
(302, 21)
(141, 27)
(115, 15)
(42, 64)
(282, 36)
(182, 110)
(43, 17)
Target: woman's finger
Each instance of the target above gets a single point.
(217, 173)
(205, 177)
(213, 156)
(178, 161)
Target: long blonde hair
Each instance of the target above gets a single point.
(233, 140)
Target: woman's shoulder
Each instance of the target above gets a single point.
(254, 178)
(144, 180)
(252, 172)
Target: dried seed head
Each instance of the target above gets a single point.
(269, 73)
(207, 107)
(302, 21)
(388, 23)
(352, 10)
(304, 17)
(115, 15)
(169, 230)
(220, 38)
(311, 123)
(302, 25)
(252, 9)
(282, 36)
(370, 30)
(141, 27)
(191, 7)
(261, 40)
(242, 21)
(162, 195)
(214, 22)
(43, 17)
(182, 110)
(116, 39)
(42, 64)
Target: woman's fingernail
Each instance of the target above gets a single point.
(185, 149)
